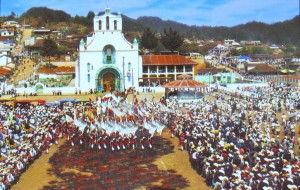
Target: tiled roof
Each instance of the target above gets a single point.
(6, 68)
(166, 60)
(42, 30)
(57, 70)
(261, 68)
(277, 56)
(291, 77)
(4, 71)
(39, 43)
(185, 83)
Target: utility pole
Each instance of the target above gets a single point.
(123, 74)
(0, 13)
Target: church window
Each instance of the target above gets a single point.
(129, 66)
(115, 24)
(89, 77)
(100, 24)
(88, 67)
(108, 55)
(107, 23)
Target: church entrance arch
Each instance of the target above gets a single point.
(108, 79)
(109, 82)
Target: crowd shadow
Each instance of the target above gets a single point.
(106, 169)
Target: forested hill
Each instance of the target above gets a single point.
(287, 32)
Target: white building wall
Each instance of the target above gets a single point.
(92, 51)
(43, 76)
(4, 60)
(29, 41)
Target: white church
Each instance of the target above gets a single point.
(107, 61)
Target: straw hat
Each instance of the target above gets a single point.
(292, 187)
(223, 178)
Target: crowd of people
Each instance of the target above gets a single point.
(109, 123)
(186, 94)
(242, 140)
(237, 140)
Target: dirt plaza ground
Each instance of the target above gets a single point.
(172, 163)
(172, 166)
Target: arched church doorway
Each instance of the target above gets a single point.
(108, 80)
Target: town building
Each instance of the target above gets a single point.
(160, 69)
(286, 79)
(107, 61)
(231, 43)
(6, 33)
(212, 75)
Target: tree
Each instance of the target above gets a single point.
(90, 16)
(49, 48)
(148, 40)
(234, 52)
(62, 50)
(289, 50)
(260, 50)
(171, 39)
(245, 51)
(12, 16)
(160, 47)
(192, 47)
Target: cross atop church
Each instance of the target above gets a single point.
(107, 10)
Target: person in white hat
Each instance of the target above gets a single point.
(2, 185)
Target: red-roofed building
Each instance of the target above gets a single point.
(159, 69)
(55, 72)
(4, 73)
(35, 48)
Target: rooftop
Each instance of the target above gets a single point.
(261, 68)
(166, 60)
(57, 70)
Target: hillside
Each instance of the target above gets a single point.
(287, 32)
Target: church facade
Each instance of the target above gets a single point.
(107, 61)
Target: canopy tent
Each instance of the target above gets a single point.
(181, 89)
(56, 103)
(184, 76)
(7, 99)
(30, 101)
(287, 71)
(71, 100)
(184, 84)
(244, 58)
(82, 101)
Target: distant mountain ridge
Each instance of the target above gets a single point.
(286, 32)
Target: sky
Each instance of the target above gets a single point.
(190, 12)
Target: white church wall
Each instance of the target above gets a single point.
(47, 90)
(125, 62)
